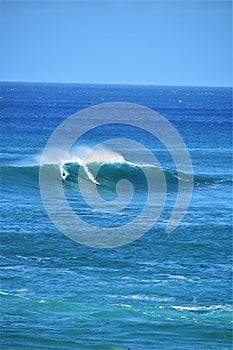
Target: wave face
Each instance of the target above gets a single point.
(113, 172)
(108, 174)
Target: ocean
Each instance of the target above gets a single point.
(143, 290)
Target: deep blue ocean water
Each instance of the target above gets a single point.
(162, 291)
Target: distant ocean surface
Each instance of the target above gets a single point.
(162, 291)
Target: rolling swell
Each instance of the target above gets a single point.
(108, 173)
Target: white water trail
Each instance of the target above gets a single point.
(89, 174)
(99, 155)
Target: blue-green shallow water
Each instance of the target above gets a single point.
(162, 291)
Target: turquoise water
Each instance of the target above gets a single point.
(171, 291)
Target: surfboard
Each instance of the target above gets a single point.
(96, 182)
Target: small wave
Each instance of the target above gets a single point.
(183, 278)
(42, 301)
(18, 295)
(4, 293)
(123, 305)
(211, 308)
(15, 267)
(156, 299)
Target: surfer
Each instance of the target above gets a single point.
(96, 180)
(64, 175)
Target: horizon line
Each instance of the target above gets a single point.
(131, 84)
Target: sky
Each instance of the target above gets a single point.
(152, 42)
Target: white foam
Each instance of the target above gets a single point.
(42, 301)
(183, 278)
(103, 155)
(148, 298)
(84, 155)
(125, 305)
(225, 307)
(4, 293)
